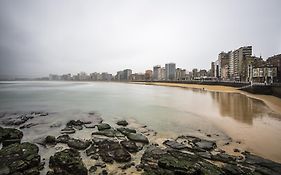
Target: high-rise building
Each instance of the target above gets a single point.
(95, 76)
(222, 64)
(212, 70)
(170, 71)
(178, 74)
(157, 73)
(202, 73)
(237, 69)
(195, 74)
(106, 76)
(119, 75)
(217, 69)
(83, 76)
(127, 74)
(163, 73)
(183, 74)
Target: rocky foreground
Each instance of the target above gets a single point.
(120, 145)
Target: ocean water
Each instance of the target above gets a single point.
(167, 110)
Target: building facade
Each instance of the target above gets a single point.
(127, 74)
(276, 61)
(238, 61)
(148, 75)
(170, 69)
(157, 73)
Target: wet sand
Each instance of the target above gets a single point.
(272, 102)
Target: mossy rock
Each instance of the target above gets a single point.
(69, 162)
(103, 126)
(184, 163)
(20, 158)
(9, 136)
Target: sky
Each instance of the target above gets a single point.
(39, 37)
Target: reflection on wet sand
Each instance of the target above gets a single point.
(239, 107)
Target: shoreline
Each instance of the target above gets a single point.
(274, 103)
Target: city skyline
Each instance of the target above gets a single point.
(221, 68)
(38, 38)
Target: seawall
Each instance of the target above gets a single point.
(274, 90)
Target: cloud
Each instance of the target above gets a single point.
(42, 37)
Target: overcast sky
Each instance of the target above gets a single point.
(68, 36)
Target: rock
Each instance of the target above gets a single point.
(127, 165)
(109, 151)
(43, 114)
(22, 118)
(122, 123)
(100, 164)
(78, 127)
(10, 135)
(121, 155)
(95, 156)
(139, 167)
(236, 150)
(174, 144)
(236, 170)
(68, 162)
(151, 156)
(262, 166)
(185, 163)
(205, 155)
(238, 141)
(205, 144)
(108, 133)
(78, 144)
(159, 161)
(223, 157)
(95, 118)
(56, 125)
(93, 150)
(75, 123)
(137, 137)
(63, 138)
(93, 169)
(50, 173)
(130, 146)
(68, 130)
(227, 143)
(126, 131)
(20, 159)
(104, 172)
(240, 159)
(29, 125)
(50, 140)
(103, 126)
(92, 113)
(90, 125)
(98, 140)
(246, 152)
